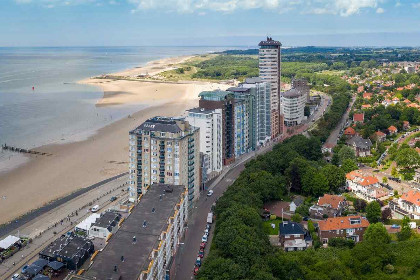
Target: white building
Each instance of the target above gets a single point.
(293, 106)
(365, 187)
(210, 124)
(261, 111)
(165, 151)
(406, 205)
(270, 71)
(87, 223)
(106, 224)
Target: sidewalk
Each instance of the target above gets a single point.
(49, 226)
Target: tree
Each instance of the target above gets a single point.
(394, 172)
(349, 165)
(314, 182)
(386, 214)
(406, 231)
(307, 111)
(359, 205)
(384, 180)
(303, 210)
(408, 158)
(346, 153)
(311, 227)
(341, 243)
(297, 218)
(376, 234)
(335, 177)
(373, 212)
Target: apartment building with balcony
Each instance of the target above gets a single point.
(270, 71)
(145, 246)
(210, 124)
(224, 100)
(166, 151)
(293, 106)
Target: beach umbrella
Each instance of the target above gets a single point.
(55, 265)
(41, 277)
(40, 262)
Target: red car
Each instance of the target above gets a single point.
(202, 245)
(196, 270)
(201, 253)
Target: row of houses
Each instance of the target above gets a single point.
(365, 186)
(295, 237)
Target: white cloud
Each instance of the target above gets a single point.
(334, 7)
(380, 11)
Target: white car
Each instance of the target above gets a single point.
(210, 193)
(15, 276)
(206, 231)
(204, 238)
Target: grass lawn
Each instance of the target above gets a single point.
(269, 229)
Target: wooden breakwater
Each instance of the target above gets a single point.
(23, 151)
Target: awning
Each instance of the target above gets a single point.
(40, 262)
(41, 277)
(8, 241)
(55, 265)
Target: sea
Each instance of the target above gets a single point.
(41, 102)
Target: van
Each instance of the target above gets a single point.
(95, 208)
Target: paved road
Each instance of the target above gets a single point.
(22, 221)
(332, 139)
(189, 247)
(47, 227)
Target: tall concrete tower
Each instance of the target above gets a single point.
(270, 71)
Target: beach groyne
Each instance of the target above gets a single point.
(22, 150)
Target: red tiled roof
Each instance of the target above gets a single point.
(366, 106)
(392, 128)
(380, 134)
(367, 95)
(342, 223)
(349, 131)
(359, 117)
(412, 196)
(365, 180)
(333, 200)
(369, 180)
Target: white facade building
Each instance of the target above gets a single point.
(365, 187)
(270, 71)
(293, 106)
(165, 151)
(210, 124)
(106, 224)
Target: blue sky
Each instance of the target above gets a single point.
(208, 22)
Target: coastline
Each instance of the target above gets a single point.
(76, 165)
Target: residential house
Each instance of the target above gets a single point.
(417, 174)
(366, 106)
(295, 203)
(359, 118)
(293, 236)
(407, 205)
(386, 102)
(395, 100)
(380, 136)
(360, 89)
(360, 145)
(406, 125)
(365, 187)
(392, 130)
(327, 148)
(349, 227)
(329, 205)
(367, 95)
(349, 132)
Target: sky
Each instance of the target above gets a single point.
(209, 22)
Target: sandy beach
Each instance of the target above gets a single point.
(80, 164)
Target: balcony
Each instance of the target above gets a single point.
(190, 140)
(190, 157)
(190, 168)
(162, 174)
(191, 145)
(162, 168)
(190, 163)
(190, 180)
(190, 175)
(190, 152)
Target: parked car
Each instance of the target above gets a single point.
(198, 262)
(206, 231)
(196, 269)
(201, 253)
(204, 238)
(210, 193)
(208, 226)
(113, 198)
(95, 208)
(202, 245)
(15, 276)
(395, 226)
